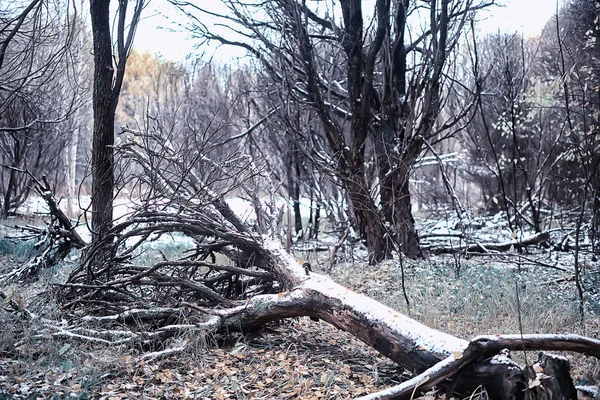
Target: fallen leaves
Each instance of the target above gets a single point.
(300, 360)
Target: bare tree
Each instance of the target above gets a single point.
(109, 72)
(38, 90)
(376, 85)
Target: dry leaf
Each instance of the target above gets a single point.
(324, 378)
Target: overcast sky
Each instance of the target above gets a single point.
(527, 16)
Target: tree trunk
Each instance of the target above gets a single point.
(310, 225)
(595, 236)
(9, 190)
(315, 234)
(395, 190)
(384, 143)
(368, 219)
(404, 223)
(12, 178)
(104, 104)
(294, 187)
(72, 172)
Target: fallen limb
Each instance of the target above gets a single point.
(485, 346)
(537, 342)
(531, 240)
(53, 242)
(161, 354)
(419, 384)
(335, 248)
(548, 379)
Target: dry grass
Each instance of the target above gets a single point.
(482, 300)
(487, 296)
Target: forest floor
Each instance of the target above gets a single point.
(301, 358)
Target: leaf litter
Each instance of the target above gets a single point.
(297, 359)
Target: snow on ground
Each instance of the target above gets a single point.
(440, 230)
(245, 210)
(454, 231)
(124, 207)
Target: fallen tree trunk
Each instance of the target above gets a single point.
(531, 240)
(240, 278)
(436, 357)
(400, 338)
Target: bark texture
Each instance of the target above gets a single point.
(104, 104)
(108, 79)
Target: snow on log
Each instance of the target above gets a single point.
(402, 339)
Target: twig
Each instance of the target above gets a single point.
(333, 251)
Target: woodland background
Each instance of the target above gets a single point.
(451, 176)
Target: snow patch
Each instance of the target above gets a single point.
(501, 359)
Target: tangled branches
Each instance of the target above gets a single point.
(219, 266)
(219, 260)
(54, 241)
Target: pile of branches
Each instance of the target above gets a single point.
(225, 263)
(224, 266)
(53, 241)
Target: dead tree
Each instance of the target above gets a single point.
(376, 88)
(236, 275)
